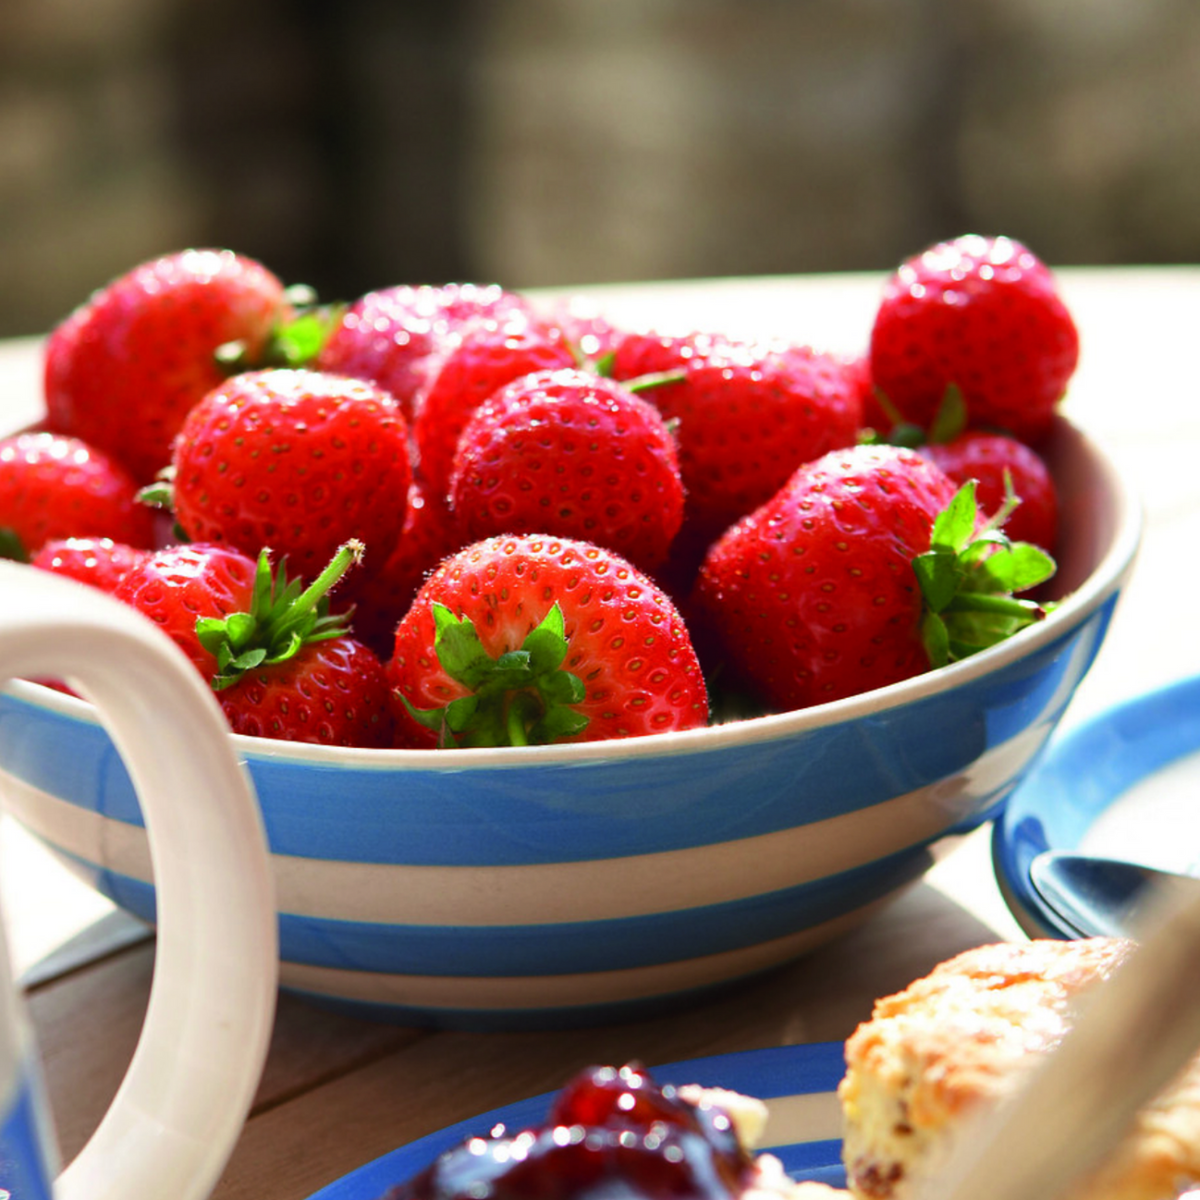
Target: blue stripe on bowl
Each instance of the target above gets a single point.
(529, 1019)
(582, 808)
(569, 947)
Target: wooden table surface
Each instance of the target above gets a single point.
(338, 1092)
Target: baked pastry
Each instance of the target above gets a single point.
(962, 1037)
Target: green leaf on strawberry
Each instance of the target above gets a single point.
(967, 579)
(283, 617)
(522, 697)
(295, 342)
(11, 545)
(949, 421)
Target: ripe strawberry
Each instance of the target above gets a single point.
(532, 639)
(123, 370)
(983, 314)
(488, 354)
(389, 336)
(851, 579)
(987, 458)
(177, 584)
(296, 460)
(100, 562)
(380, 598)
(53, 486)
(574, 455)
(282, 666)
(593, 335)
(748, 415)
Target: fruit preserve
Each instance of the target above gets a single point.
(610, 1133)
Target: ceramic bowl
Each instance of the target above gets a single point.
(535, 887)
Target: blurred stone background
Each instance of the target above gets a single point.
(353, 144)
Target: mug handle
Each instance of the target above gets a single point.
(184, 1099)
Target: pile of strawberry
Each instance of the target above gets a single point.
(441, 516)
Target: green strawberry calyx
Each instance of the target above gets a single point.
(968, 577)
(11, 545)
(294, 342)
(284, 617)
(948, 422)
(521, 698)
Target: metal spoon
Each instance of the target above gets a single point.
(1097, 897)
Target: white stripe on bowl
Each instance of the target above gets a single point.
(548, 893)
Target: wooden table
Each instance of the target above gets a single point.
(338, 1092)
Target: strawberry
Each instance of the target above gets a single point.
(52, 486)
(389, 336)
(1000, 464)
(984, 314)
(177, 584)
(380, 598)
(123, 370)
(294, 459)
(1003, 468)
(571, 454)
(281, 664)
(533, 638)
(100, 562)
(487, 354)
(865, 569)
(593, 335)
(748, 415)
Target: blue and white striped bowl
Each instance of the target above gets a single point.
(532, 887)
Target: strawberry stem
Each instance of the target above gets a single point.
(655, 379)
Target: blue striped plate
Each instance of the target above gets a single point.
(798, 1084)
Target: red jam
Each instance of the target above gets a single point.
(610, 1134)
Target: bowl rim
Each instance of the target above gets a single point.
(1104, 578)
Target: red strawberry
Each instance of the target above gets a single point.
(100, 562)
(816, 595)
(281, 665)
(53, 486)
(987, 458)
(487, 355)
(983, 314)
(592, 334)
(601, 652)
(382, 597)
(124, 369)
(388, 336)
(571, 454)
(296, 460)
(748, 415)
(176, 585)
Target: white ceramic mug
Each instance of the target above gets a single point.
(174, 1121)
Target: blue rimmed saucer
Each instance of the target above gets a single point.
(1113, 785)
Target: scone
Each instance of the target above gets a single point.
(962, 1037)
